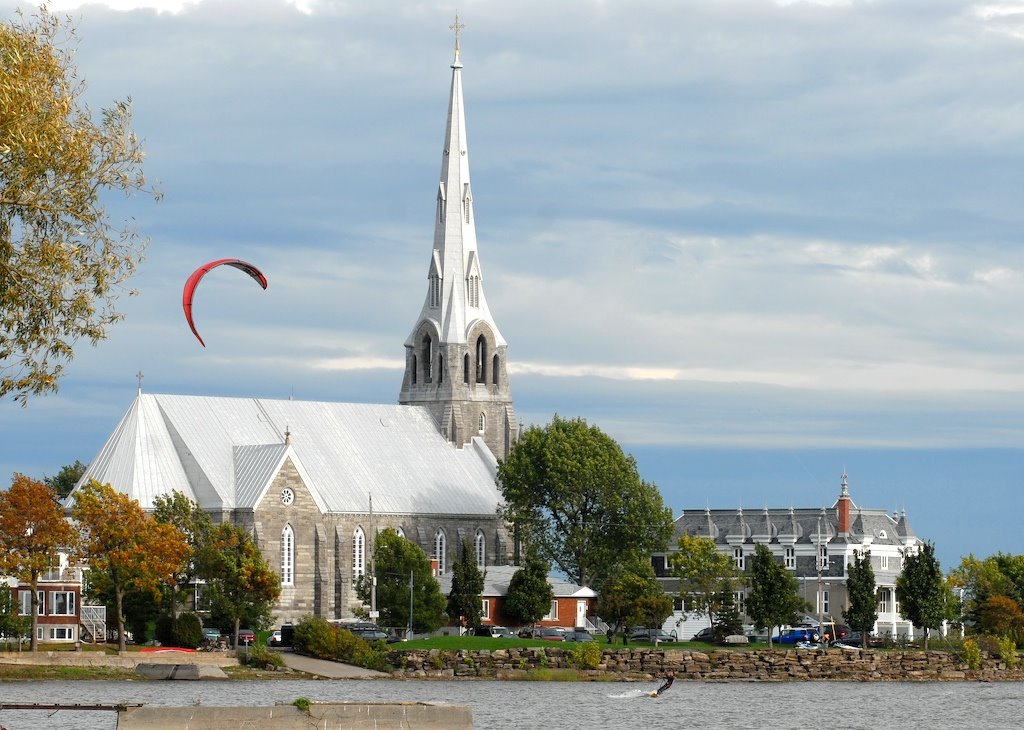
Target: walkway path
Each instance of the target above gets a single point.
(328, 670)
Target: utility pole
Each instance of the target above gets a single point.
(372, 539)
(408, 634)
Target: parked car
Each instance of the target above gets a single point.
(246, 636)
(853, 639)
(366, 633)
(211, 634)
(552, 633)
(494, 632)
(799, 635)
(275, 638)
(834, 632)
(706, 635)
(578, 635)
(651, 635)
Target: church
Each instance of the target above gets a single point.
(315, 481)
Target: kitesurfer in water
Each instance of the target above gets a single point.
(669, 679)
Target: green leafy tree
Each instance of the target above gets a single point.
(66, 479)
(923, 593)
(581, 500)
(464, 601)
(981, 579)
(860, 587)
(12, 625)
(398, 561)
(63, 263)
(705, 575)
(729, 620)
(178, 510)
(240, 584)
(33, 532)
(529, 593)
(773, 600)
(632, 596)
(126, 549)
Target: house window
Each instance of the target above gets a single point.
(553, 613)
(883, 600)
(439, 550)
(823, 556)
(737, 557)
(358, 553)
(791, 558)
(482, 423)
(480, 546)
(485, 609)
(287, 556)
(62, 603)
(884, 561)
(823, 602)
(62, 633)
(26, 603)
(678, 605)
(739, 597)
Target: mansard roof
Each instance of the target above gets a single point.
(223, 453)
(794, 526)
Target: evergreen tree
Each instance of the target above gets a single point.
(464, 602)
(860, 587)
(773, 599)
(923, 594)
(729, 621)
(529, 593)
(66, 479)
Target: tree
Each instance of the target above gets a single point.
(12, 625)
(240, 584)
(773, 599)
(33, 532)
(705, 575)
(860, 587)
(529, 593)
(923, 594)
(63, 263)
(464, 601)
(729, 620)
(632, 596)
(126, 549)
(66, 479)
(997, 575)
(581, 500)
(398, 561)
(178, 510)
(1001, 616)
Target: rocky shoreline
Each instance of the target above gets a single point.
(766, 665)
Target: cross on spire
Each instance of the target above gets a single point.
(457, 27)
(139, 376)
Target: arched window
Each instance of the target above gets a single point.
(425, 352)
(465, 368)
(495, 367)
(440, 544)
(440, 369)
(400, 531)
(414, 370)
(358, 553)
(480, 545)
(287, 556)
(481, 424)
(481, 359)
(435, 290)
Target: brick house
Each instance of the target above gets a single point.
(58, 611)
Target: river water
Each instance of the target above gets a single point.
(852, 706)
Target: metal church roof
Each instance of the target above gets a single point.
(224, 452)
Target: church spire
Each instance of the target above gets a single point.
(455, 355)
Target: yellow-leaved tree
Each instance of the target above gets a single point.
(63, 263)
(125, 548)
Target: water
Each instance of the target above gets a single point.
(852, 706)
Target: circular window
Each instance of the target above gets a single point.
(287, 496)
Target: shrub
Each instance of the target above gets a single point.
(316, 637)
(260, 657)
(164, 630)
(188, 631)
(1007, 651)
(972, 654)
(586, 655)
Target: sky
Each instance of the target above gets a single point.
(758, 242)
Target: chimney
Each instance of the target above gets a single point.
(843, 507)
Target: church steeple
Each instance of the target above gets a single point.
(455, 355)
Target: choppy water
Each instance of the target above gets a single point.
(852, 706)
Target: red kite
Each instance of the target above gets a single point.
(193, 282)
